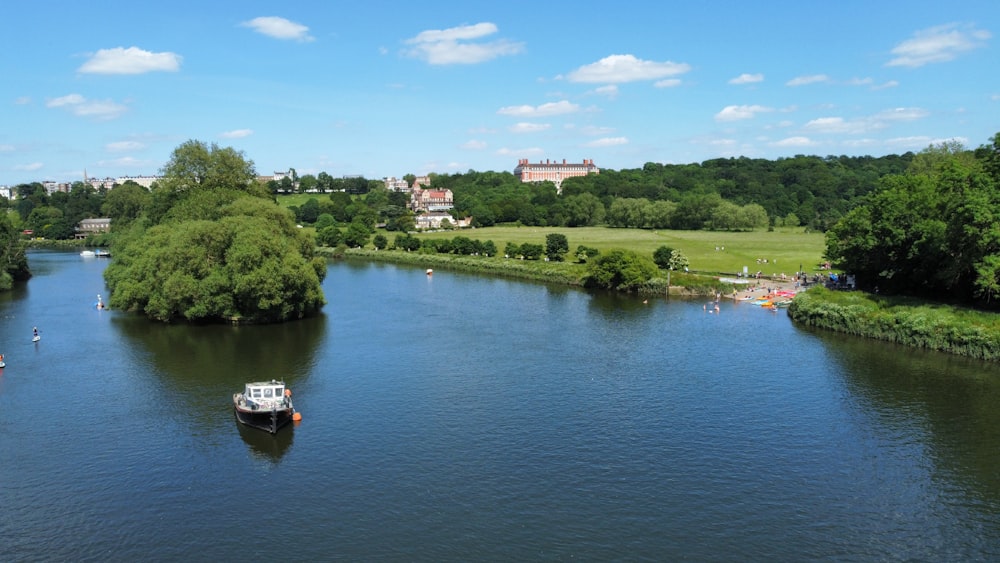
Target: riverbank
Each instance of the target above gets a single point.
(564, 273)
(910, 322)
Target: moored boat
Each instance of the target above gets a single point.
(266, 405)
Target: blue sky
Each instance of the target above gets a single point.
(382, 88)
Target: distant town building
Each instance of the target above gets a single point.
(144, 181)
(7, 192)
(394, 184)
(431, 200)
(552, 171)
(434, 220)
(89, 227)
(421, 181)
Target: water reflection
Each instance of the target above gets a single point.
(946, 404)
(200, 367)
(264, 445)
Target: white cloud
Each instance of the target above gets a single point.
(102, 110)
(279, 28)
(533, 151)
(937, 45)
(236, 134)
(746, 78)
(122, 146)
(130, 61)
(887, 84)
(28, 167)
(863, 125)
(611, 91)
(667, 83)
(811, 79)
(552, 108)
(474, 145)
(794, 142)
(6, 148)
(454, 45)
(735, 113)
(528, 127)
(839, 125)
(125, 162)
(902, 114)
(22, 101)
(607, 142)
(626, 68)
(592, 130)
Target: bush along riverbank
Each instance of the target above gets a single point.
(564, 273)
(901, 320)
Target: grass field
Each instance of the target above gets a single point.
(784, 249)
(707, 251)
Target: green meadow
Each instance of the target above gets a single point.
(707, 251)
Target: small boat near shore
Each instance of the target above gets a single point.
(88, 254)
(265, 405)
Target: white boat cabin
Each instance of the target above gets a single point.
(264, 393)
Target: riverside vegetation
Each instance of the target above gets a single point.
(923, 225)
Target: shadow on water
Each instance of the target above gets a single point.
(266, 446)
(200, 367)
(951, 400)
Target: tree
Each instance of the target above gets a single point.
(357, 234)
(125, 203)
(380, 242)
(662, 255)
(556, 246)
(678, 261)
(329, 236)
(620, 270)
(220, 250)
(531, 251)
(12, 257)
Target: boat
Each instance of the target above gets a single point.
(88, 254)
(266, 405)
(102, 253)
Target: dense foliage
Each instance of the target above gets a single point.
(211, 245)
(933, 231)
(900, 320)
(15, 264)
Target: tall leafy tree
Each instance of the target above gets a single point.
(219, 248)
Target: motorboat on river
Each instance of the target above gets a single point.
(266, 405)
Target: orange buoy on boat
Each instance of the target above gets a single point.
(297, 416)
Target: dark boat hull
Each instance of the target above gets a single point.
(266, 420)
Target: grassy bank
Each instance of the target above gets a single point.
(707, 251)
(565, 273)
(901, 320)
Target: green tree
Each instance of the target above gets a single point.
(531, 251)
(125, 203)
(556, 247)
(329, 236)
(380, 242)
(620, 270)
(662, 255)
(220, 249)
(357, 235)
(12, 257)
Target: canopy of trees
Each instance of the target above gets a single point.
(15, 264)
(933, 231)
(211, 245)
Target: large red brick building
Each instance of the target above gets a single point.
(552, 171)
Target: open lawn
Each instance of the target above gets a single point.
(707, 251)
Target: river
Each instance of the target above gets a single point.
(455, 418)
